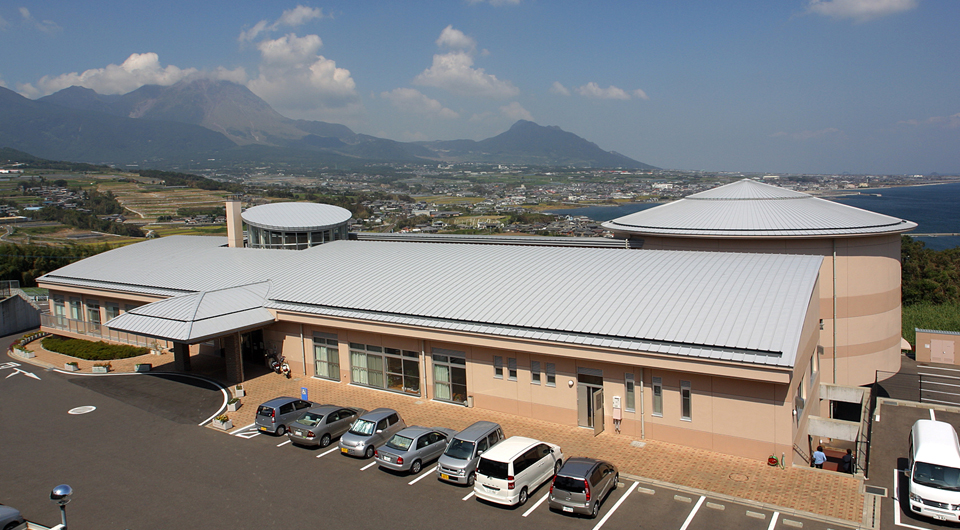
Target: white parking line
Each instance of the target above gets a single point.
(282, 444)
(470, 495)
(422, 475)
(896, 500)
(692, 513)
(538, 503)
(773, 520)
(932, 416)
(368, 466)
(245, 432)
(328, 452)
(617, 505)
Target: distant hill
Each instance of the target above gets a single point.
(203, 118)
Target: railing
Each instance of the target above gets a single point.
(93, 329)
(9, 287)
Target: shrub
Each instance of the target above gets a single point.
(92, 351)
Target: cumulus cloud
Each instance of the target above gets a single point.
(291, 18)
(46, 26)
(859, 10)
(593, 90)
(294, 76)
(412, 100)
(515, 111)
(808, 135)
(557, 88)
(454, 71)
(943, 122)
(137, 70)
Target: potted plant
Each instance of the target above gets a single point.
(143, 367)
(72, 366)
(233, 404)
(238, 391)
(101, 368)
(22, 351)
(223, 422)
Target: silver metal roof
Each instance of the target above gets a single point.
(752, 209)
(741, 307)
(296, 216)
(544, 241)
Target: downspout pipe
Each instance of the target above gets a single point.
(834, 264)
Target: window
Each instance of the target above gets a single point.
(75, 309)
(631, 397)
(512, 367)
(685, 401)
(403, 370)
(93, 314)
(386, 368)
(112, 310)
(814, 364)
(326, 354)
(449, 376)
(535, 372)
(498, 367)
(59, 309)
(658, 396)
(551, 370)
(800, 400)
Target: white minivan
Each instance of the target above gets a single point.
(510, 470)
(935, 470)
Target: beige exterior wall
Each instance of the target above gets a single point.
(867, 288)
(934, 347)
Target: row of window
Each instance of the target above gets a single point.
(74, 310)
(535, 375)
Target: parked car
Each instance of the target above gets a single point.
(582, 484)
(370, 431)
(10, 518)
(317, 426)
(508, 473)
(458, 464)
(412, 447)
(274, 415)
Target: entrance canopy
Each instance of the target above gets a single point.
(199, 316)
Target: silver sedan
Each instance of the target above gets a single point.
(317, 426)
(412, 447)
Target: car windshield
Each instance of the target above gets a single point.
(363, 427)
(935, 476)
(492, 468)
(573, 485)
(460, 449)
(310, 419)
(400, 443)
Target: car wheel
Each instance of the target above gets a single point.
(557, 466)
(415, 467)
(523, 497)
(595, 510)
(471, 479)
(281, 430)
(369, 452)
(325, 441)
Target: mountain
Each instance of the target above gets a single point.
(255, 131)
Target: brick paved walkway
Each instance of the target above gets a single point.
(825, 493)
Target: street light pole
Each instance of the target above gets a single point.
(62, 495)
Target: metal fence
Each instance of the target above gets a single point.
(939, 385)
(9, 287)
(94, 330)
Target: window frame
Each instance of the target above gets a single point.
(630, 392)
(551, 370)
(534, 372)
(686, 401)
(511, 368)
(657, 388)
(497, 367)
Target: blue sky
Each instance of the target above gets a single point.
(817, 86)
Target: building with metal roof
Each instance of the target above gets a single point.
(860, 274)
(687, 340)
(295, 225)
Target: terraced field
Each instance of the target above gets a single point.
(148, 201)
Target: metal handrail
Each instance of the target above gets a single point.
(92, 329)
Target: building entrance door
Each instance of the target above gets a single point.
(590, 400)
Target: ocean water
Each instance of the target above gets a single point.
(936, 209)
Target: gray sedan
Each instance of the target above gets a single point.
(317, 426)
(410, 448)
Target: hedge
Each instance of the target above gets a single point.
(92, 351)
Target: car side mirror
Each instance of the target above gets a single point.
(379, 431)
(480, 452)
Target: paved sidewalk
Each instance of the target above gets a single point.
(829, 494)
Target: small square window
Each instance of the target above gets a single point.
(551, 370)
(512, 366)
(498, 367)
(535, 372)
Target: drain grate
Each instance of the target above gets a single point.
(875, 490)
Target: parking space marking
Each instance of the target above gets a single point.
(246, 432)
(932, 415)
(773, 520)
(328, 452)
(422, 476)
(896, 500)
(616, 505)
(470, 495)
(282, 444)
(693, 512)
(538, 503)
(368, 466)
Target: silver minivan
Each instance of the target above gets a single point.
(370, 431)
(458, 464)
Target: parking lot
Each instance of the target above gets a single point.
(135, 468)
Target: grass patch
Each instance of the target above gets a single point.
(940, 317)
(92, 351)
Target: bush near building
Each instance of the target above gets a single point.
(92, 351)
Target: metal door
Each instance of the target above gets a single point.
(597, 411)
(584, 406)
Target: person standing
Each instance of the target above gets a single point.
(819, 457)
(847, 465)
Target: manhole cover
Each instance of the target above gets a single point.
(82, 410)
(739, 477)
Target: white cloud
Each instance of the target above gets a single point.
(46, 26)
(808, 135)
(292, 18)
(859, 10)
(557, 88)
(515, 111)
(593, 90)
(454, 72)
(137, 70)
(944, 122)
(412, 100)
(293, 76)
(455, 39)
